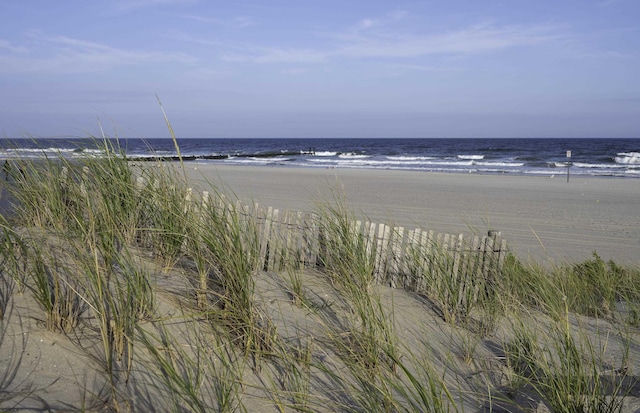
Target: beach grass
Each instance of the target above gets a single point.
(165, 292)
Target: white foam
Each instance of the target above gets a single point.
(597, 165)
(352, 155)
(628, 158)
(496, 164)
(410, 158)
(472, 157)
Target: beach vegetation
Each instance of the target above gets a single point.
(165, 291)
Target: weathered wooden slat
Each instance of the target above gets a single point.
(487, 256)
(294, 245)
(264, 239)
(370, 234)
(382, 256)
(312, 240)
(457, 255)
(273, 239)
(288, 237)
(397, 255)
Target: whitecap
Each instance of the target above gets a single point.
(352, 155)
(628, 158)
(596, 165)
(472, 157)
(410, 158)
(497, 164)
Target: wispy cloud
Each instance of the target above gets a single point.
(238, 22)
(372, 23)
(125, 6)
(475, 39)
(371, 39)
(66, 55)
(295, 71)
(423, 68)
(183, 36)
(279, 55)
(606, 3)
(4, 44)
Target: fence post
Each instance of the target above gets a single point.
(272, 239)
(384, 235)
(84, 179)
(312, 239)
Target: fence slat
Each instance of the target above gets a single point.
(312, 240)
(384, 233)
(273, 239)
(264, 239)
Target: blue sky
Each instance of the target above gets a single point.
(303, 68)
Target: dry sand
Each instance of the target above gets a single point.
(542, 218)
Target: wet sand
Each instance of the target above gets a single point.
(542, 218)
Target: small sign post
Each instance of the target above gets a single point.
(568, 164)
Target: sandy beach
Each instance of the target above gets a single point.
(154, 321)
(543, 219)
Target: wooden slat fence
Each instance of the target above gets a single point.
(403, 258)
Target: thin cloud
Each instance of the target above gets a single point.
(478, 39)
(239, 22)
(424, 68)
(361, 42)
(206, 73)
(4, 44)
(280, 55)
(186, 37)
(295, 71)
(369, 23)
(126, 6)
(242, 22)
(71, 56)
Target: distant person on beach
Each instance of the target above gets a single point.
(6, 168)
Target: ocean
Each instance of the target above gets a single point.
(548, 157)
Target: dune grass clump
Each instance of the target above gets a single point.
(12, 249)
(592, 288)
(81, 218)
(47, 196)
(596, 286)
(368, 341)
(164, 215)
(568, 369)
(530, 286)
(229, 239)
(203, 376)
(349, 262)
(464, 292)
(56, 288)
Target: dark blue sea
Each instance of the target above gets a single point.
(589, 157)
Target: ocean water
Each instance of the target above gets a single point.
(589, 157)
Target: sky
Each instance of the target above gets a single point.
(330, 68)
